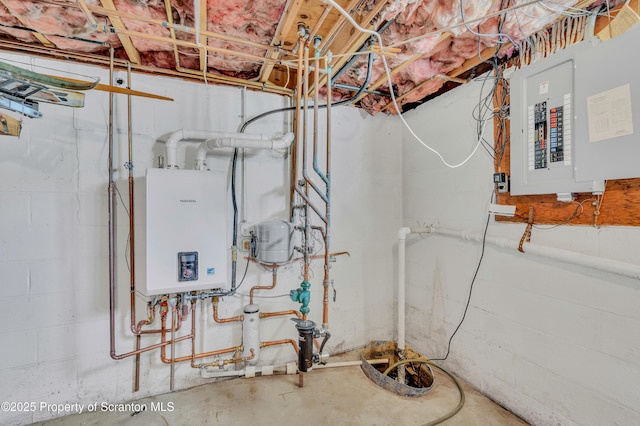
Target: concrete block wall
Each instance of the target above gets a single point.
(555, 343)
(53, 239)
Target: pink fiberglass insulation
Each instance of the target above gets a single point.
(67, 26)
(424, 22)
(254, 21)
(12, 26)
(153, 9)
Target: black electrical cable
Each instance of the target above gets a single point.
(473, 280)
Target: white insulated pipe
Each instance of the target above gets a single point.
(227, 139)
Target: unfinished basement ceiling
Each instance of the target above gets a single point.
(253, 43)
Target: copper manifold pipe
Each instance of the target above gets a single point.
(265, 287)
(226, 361)
(281, 342)
(214, 303)
(193, 355)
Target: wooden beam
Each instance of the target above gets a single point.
(284, 27)
(343, 39)
(127, 44)
(41, 38)
(394, 71)
(203, 24)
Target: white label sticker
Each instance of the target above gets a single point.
(609, 114)
(544, 87)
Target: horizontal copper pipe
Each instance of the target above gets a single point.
(202, 355)
(148, 348)
(280, 342)
(193, 355)
(281, 313)
(225, 361)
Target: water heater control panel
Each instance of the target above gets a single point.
(188, 266)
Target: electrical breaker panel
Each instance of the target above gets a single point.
(542, 128)
(180, 238)
(575, 117)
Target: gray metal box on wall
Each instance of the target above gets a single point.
(608, 108)
(543, 127)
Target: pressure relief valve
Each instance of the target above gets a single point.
(302, 295)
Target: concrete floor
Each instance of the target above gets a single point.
(330, 396)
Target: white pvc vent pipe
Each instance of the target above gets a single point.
(561, 255)
(213, 140)
(278, 142)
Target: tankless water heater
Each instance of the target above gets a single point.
(180, 239)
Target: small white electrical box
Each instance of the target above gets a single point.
(180, 239)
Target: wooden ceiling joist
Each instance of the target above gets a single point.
(127, 44)
(285, 26)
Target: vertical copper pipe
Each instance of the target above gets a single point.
(136, 376)
(258, 287)
(111, 224)
(173, 349)
(193, 332)
(327, 234)
(307, 222)
(294, 146)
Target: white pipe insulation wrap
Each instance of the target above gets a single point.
(278, 141)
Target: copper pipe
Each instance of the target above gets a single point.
(281, 313)
(307, 222)
(132, 254)
(327, 234)
(280, 342)
(150, 348)
(149, 320)
(226, 361)
(193, 355)
(265, 287)
(294, 146)
(136, 376)
(214, 303)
